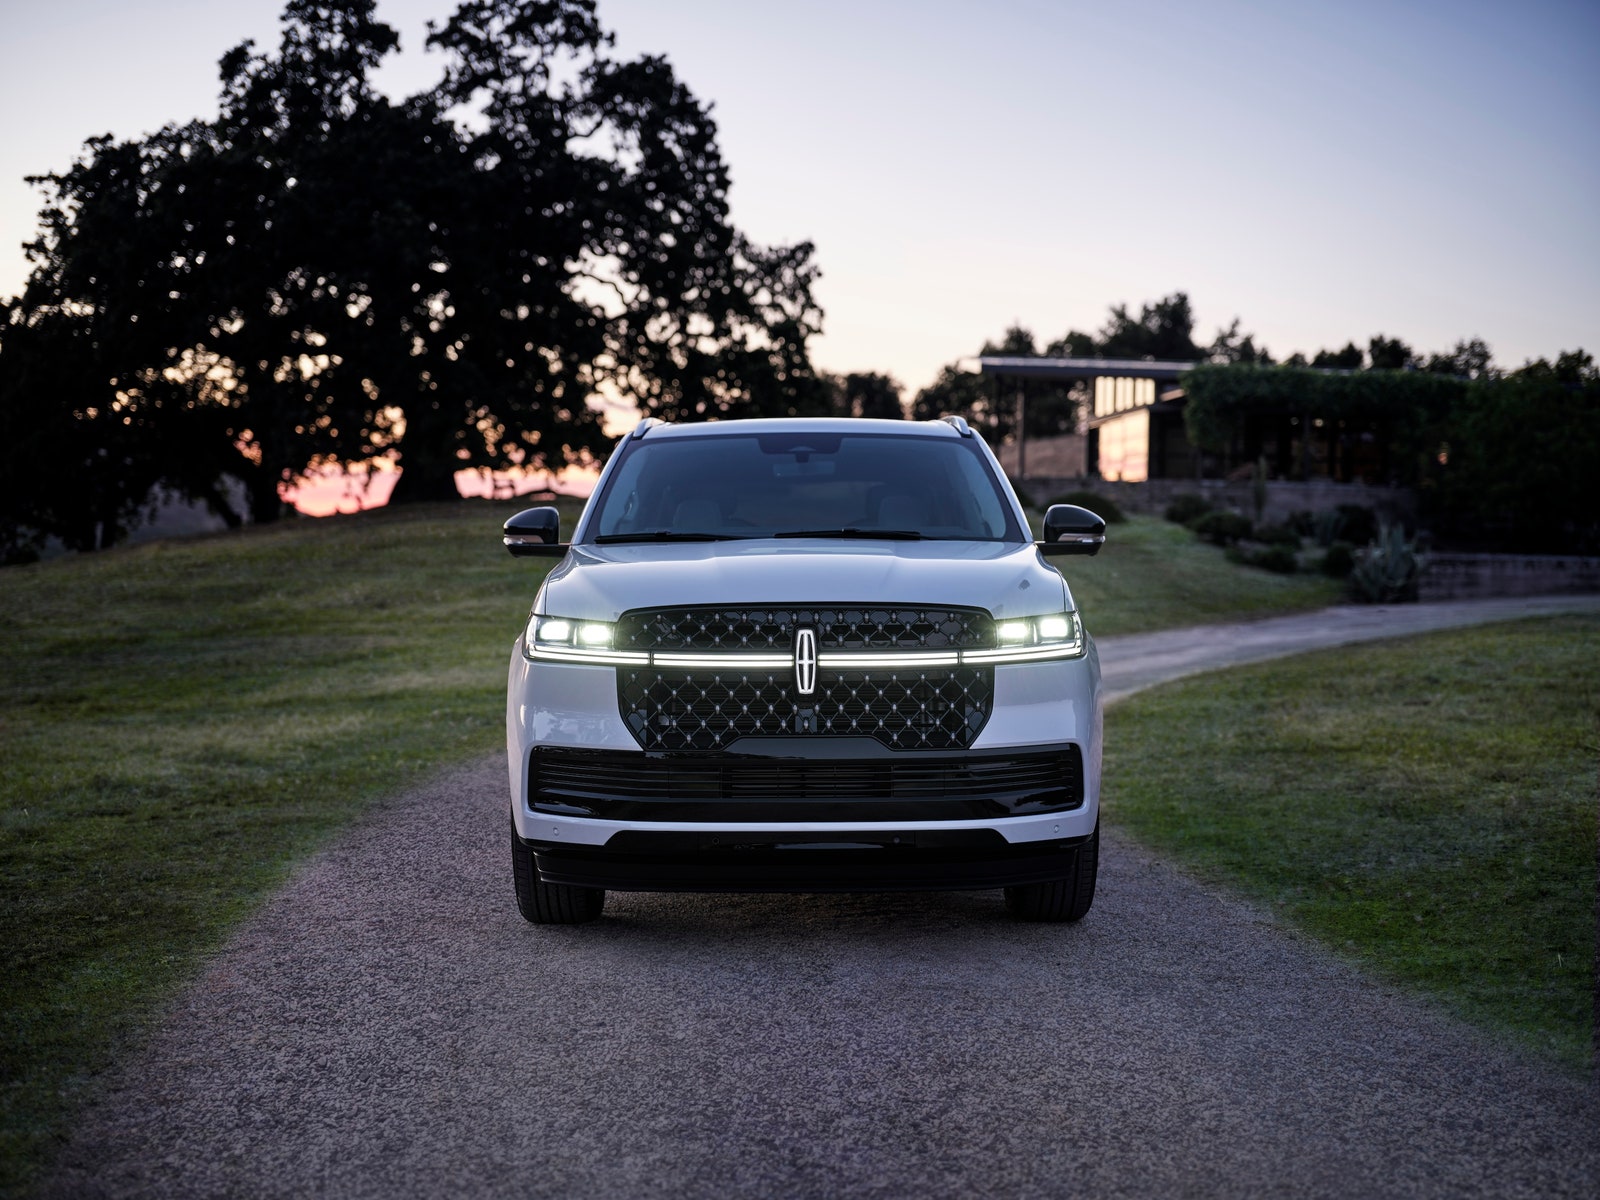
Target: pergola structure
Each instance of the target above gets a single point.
(1135, 426)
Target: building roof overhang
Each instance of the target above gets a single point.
(1080, 368)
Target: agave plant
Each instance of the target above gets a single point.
(1388, 569)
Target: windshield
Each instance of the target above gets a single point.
(801, 484)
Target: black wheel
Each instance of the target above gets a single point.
(1066, 899)
(550, 903)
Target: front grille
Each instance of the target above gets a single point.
(940, 708)
(838, 626)
(624, 785)
(709, 708)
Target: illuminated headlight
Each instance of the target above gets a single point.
(1058, 635)
(1062, 628)
(562, 639)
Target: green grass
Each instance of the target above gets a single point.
(183, 721)
(1427, 807)
(1152, 574)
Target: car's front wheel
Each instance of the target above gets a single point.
(1065, 899)
(549, 903)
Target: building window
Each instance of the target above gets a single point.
(1112, 396)
(1125, 447)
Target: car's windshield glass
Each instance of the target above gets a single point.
(804, 484)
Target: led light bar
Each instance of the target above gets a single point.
(1017, 654)
(583, 643)
(847, 661)
(721, 661)
(608, 658)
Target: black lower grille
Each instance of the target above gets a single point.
(623, 785)
(928, 709)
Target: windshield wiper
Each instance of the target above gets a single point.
(668, 535)
(894, 535)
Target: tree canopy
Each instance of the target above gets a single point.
(1500, 460)
(324, 275)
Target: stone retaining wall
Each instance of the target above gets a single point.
(1452, 576)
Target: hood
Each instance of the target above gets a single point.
(600, 583)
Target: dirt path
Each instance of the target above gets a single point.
(388, 1026)
(1140, 661)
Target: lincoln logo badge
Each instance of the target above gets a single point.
(805, 661)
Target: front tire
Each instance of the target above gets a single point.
(549, 903)
(1066, 899)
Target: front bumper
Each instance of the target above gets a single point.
(769, 861)
(1039, 707)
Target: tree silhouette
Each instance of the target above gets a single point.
(1231, 346)
(1163, 330)
(866, 394)
(1389, 354)
(1350, 358)
(322, 275)
(1470, 359)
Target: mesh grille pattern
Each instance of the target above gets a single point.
(839, 627)
(927, 709)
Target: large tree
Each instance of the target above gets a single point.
(322, 275)
(601, 254)
(100, 404)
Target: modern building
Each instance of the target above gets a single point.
(1134, 425)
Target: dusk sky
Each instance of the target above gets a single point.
(1430, 171)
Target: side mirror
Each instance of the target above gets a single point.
(1069, 529)
(535, 532)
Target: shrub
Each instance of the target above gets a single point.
(1222, 528)
(1357, 525)
(1339, 561)
(1278, 558)
(1187, 508)
(1102, 507)
(1387, 570)
(1277, 535)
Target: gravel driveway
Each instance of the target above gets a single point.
(387, 1026)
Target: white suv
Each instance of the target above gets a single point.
(804, 655)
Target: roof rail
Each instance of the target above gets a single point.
(645, 426)
(959, 424)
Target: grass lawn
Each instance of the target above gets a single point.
(181, 722)
(1152, 574)
(1428, 807)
